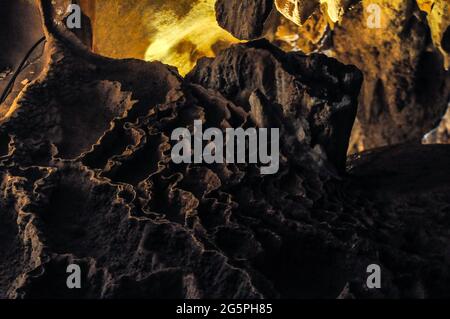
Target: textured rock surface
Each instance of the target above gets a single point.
(441, 134)
(175, 32)
(406, 88)
(438, 16)
(311, 36)
(107, 197)
(244, 19)
(298, 11)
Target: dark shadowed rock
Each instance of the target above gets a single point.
(244, 19)
(316, 96)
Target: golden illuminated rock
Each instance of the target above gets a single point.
(441, 134)
(176, 32)
(335, 8)
(297, 10)
(406, 88)
(439, 21)
(306, 38)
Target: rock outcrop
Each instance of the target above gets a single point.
(441, 134)
(86, 178)
(406, 88)
(438, 16)
(244, 19)
(317, 96)
(398, 45)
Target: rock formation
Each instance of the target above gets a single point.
(406, 86)
(438, 16)
(298, 11)
(441, 134)
(244, 19)
(86, 178)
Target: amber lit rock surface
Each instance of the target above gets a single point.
(295, 83)
(406, 87)
(312, 36)
(20, 29)
(298, 11)
(175, 32)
